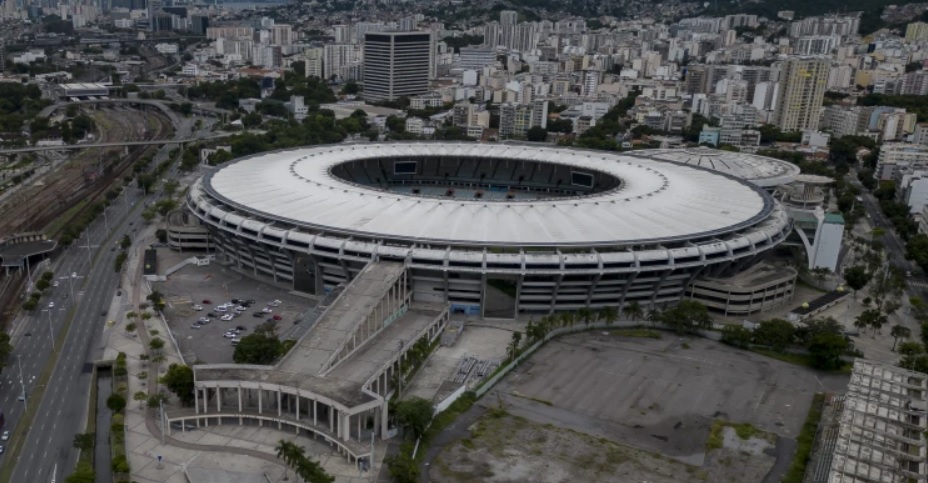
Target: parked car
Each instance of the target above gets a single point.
(55, 283)
(204, 320)
(227, 317)
(220, 308)
(51, 305)
(207, 301)
(194, 326)
(266, 310)
(5, 436)
(276, 317)
(198, 307)
(235, 301)
(212, 315)
(241, 327)
(234, 341)
(246, 304)
(258, 314)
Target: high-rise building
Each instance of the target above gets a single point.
(516, 119)
(802, 90)
(334, 57)
(281, 34)
(397, 64)
(916, 31)
(313, 63)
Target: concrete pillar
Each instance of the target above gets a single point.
(240, 422)
(297, 405)
(196, 401)
(218, 399)
(383, 420)
(279, 409)
(346, 434)
(360, 417)
(260, 406)
(331, 419)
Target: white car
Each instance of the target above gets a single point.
(226, 317)
(55, 283)
(274, 303)
(234, 341)
(220, 308)
(203, 320)
(51, 305)
(6, 436)
(198, 307)
(266, 310)
(229, 335)
(239, 309)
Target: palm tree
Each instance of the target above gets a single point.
(633, 310)
(285, 452)
(609, 315)
(654, 315)
(586, 315)
(899, 332)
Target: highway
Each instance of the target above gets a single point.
(63, 408)
(62, 411)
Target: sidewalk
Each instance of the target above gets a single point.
(223, 452)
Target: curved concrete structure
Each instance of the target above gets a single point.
(540, 228)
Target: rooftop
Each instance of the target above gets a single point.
(656, 202)
(763, 171)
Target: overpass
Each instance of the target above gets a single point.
(160, 105)
(67, 147)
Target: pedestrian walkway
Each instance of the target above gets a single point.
(224, 450)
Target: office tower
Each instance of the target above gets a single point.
(491, 35)
(397, 64)
(802, 89)
(334, 57)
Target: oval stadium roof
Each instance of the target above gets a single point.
(763, 171)
(657, 201)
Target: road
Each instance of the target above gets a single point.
(63, 408)
(895, 247)
(62, 411)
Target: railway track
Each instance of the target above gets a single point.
(40, 204)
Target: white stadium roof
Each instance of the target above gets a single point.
(763, 171)
(656, 201)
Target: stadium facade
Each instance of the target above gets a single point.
(491, 229)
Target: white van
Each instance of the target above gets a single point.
(235, 341)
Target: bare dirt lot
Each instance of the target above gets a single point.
(660, 397)
(505, 448)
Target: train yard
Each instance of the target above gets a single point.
(51, 200)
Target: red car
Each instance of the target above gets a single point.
(276, 317)
(207, 301)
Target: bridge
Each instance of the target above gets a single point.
(160, 105)
(68, 147)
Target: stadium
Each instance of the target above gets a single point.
(491, 229)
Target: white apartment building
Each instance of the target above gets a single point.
(335, 56)
(898, 156)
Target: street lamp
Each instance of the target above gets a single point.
(70, 280)
(51, 333)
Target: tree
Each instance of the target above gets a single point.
(586, 315)
(83, 474)
(140, 396)
(120, 464)
(84, 441)
(873, 318)
(857, 277)
(414, 414)
(403, 468)
(825, 351)
(130, 327)
(686, 316)
(633, 310)
(514, 344)
(155, 400)
(116, 402)
(537, 134)
(777, 334)
(5, 349)
(156, 344)
(260, 347)
(286, 451)
(916, 249)
(609, 315)
(899, 332)
(737, 336)
(179, 380)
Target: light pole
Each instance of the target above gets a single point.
(70, 280)
(51, 332)
(88, 246)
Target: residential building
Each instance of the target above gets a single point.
(397, 64)
(802, 90)
(516, 119)
(335, 56)
(476, 58)
(897, 156)
(916, 32)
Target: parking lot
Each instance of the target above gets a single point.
(215, 284)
